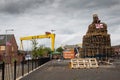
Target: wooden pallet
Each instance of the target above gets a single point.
(84, 63)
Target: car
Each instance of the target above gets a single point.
(28, 57)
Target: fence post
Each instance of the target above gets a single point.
(15, 69)
(32, 64)
(28, 65)
(22, 67)
(35, 63)
(3, 70)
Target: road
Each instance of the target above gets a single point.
(59, 70)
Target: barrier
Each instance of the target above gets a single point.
(84, 63)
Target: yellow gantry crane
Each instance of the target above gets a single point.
(46, 35)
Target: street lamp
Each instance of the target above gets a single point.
(6, 39)
(53, 31)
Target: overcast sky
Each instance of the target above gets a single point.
(70, 18)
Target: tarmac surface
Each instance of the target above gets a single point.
(59, 70)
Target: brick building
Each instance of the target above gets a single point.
(116, 49)
(8, 47)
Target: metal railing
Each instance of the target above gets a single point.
(18, 69)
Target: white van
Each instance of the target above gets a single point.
(28, 57)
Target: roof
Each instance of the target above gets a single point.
(3, 38)
(116, 46)
(56, 52)
(69, 46)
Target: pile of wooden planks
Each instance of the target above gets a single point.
(97, 41)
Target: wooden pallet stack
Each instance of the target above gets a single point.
(97, 40)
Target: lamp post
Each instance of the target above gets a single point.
(6, 39)
(53, 31)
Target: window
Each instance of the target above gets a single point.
(2, 47)
(12, 48)
(2, 37)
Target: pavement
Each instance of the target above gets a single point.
(59, 70)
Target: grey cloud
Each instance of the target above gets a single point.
(62, 6)
(66, 31)
(87, 4)
(20, 6)
(113, 23)
(102, 3)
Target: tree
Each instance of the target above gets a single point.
(47, 50)
(39, 51)
(34, 48)
(43, 51)
(59, 49)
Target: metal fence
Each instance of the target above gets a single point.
(17, 69)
